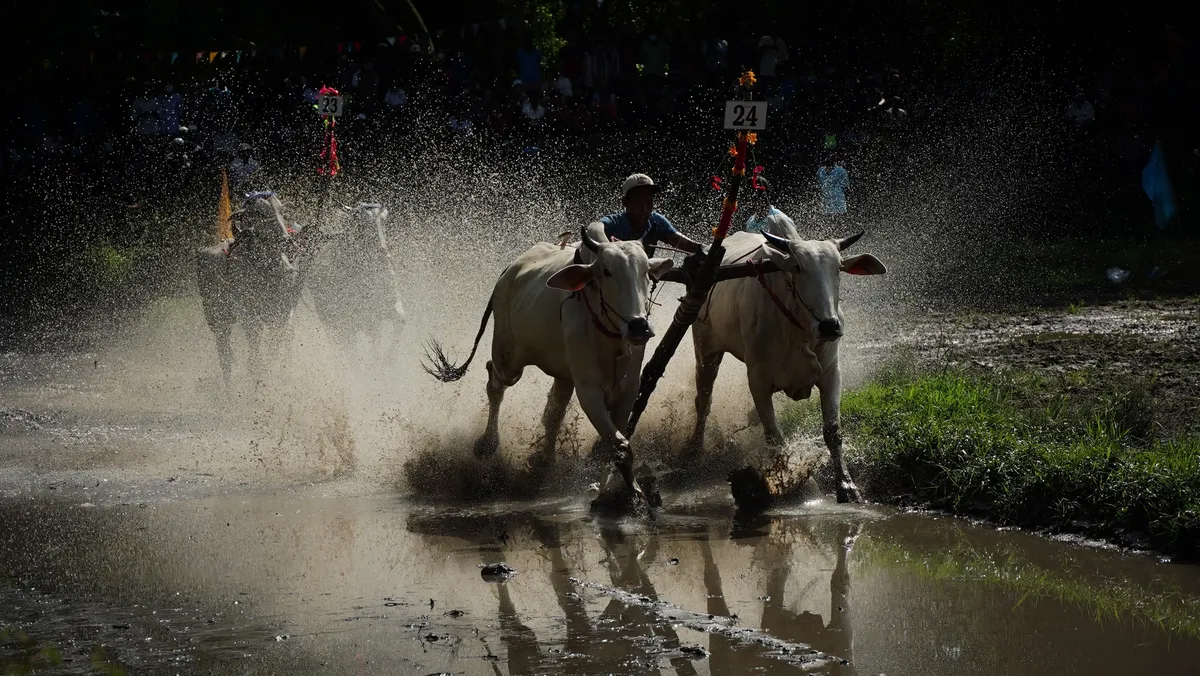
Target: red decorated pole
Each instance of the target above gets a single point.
(329, 108)
(702, 282)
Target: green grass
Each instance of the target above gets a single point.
(1063, 452)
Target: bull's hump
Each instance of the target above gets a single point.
(742, 246)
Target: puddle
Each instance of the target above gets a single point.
(306, 583)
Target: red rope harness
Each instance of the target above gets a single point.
(775, 299)
(615, 335)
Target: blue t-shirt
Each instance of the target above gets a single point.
(618, 225)
(755, 224)
(833, 189)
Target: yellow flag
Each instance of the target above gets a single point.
(224, 227)
(212, 56)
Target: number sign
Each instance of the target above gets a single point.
(329, 106)
(747, 115)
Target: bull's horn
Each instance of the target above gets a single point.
(347, 209)
(845, 242)
(590, 243)
(777, 242)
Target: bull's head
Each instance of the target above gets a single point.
(260, 232)
(620, 274)
(368, 225)
(815, 278)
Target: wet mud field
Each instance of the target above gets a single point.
(1157, 342)
(152, 524)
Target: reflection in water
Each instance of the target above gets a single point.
(636, 630)
(774, 553)
(627, 573)
(305, 583)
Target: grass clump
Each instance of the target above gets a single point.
(1066, 452)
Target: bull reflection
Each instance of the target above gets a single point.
(620, 637)
(774, 543)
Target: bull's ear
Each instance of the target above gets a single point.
(863, 264)
(660, 267)
(571, 278)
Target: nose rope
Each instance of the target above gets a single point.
(779, 303)
(596, 321)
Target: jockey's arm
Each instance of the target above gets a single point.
(682, 242)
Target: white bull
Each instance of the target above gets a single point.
(784, 326)
(582, 324)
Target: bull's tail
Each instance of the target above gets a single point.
(441, 367)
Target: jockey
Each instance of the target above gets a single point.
(639, 220)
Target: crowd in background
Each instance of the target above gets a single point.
(143, 115)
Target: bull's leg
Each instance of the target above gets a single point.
(592, 401)
(498, 381)
(707, 367)
(556, 409)
(225, 353)
(830, 386)
(254, 344)
(760, 391)
(552, 417)
(279, 345)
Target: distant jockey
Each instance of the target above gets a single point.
(759, 202)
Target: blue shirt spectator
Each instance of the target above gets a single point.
(833, 183)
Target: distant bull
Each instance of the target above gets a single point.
(252, 279)
(583, 324)
(785, 326)
(352, 280)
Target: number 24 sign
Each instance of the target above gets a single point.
(750, 115)
(329, 106)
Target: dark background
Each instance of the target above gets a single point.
(986, 84)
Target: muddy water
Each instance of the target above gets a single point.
(320, 580)
(149, 522)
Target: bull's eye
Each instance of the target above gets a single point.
(607, 272)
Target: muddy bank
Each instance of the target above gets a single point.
(1156, 341)
(1083, 421)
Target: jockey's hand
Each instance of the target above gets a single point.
(693, 262)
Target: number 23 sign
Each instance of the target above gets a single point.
(329, 105)
(749, 115)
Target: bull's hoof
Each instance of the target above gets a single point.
(750, 491)
(616, 498)
(622, 503)
(848, 492)
(486, 447)
(650, 493)
(538, 466)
